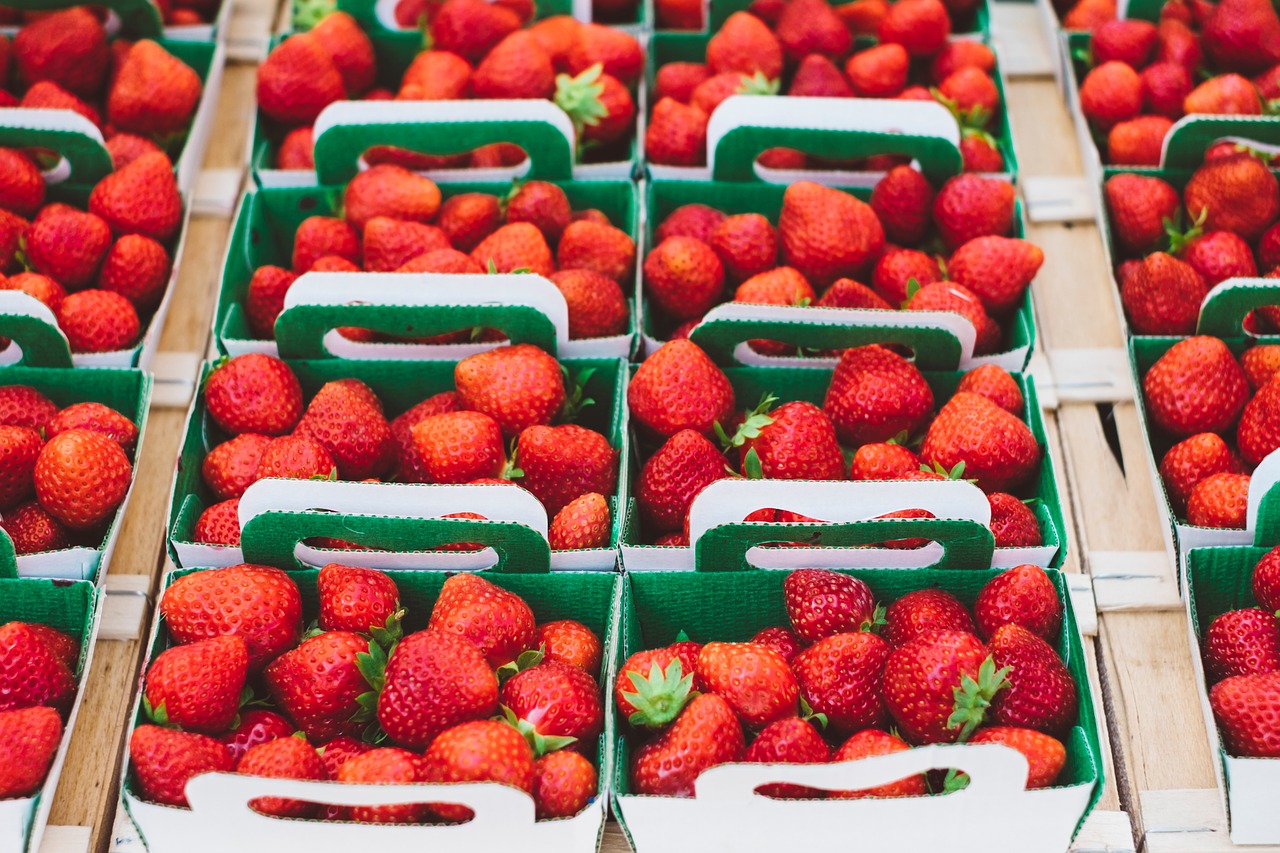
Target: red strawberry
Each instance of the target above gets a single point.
(141, 198)
(230, 468)
(1219, 255)
(597, 306)
(1259, 430)
(98, 321)
(1266, 581)
(902, 200)
(350, 49)
(197, 686)
(980, 152)
(876, 394)
(894, 272)
(298, 80)
(39, 286)
(997, 269)
(618, 53)
(880, 71)
(958, 54)
(478, 751)
(821, 602)
(259, 604)
(390, 190)
(563, 462)
(1111, 93)
(32, 530)
(563, 784)
(442, 261)
(19, 449)
(283, 758)
(126, 147)
(684, 276)
(753, 679)
(81, 478)
(582, 523)
(997, 449)
(938, 686)
(1244, 707)
(970, 206)
(994, 383)
(96, 417)
(1165, 87)
(384, 766)
(811, 27)
(1219, 500)
(1236, 193)
(1041, 694)
(67, 244)
(1242, 35)
(50, 96)
(671, 478)
(679, 387)
(323, 236)
(971, 95)
(67, 47)
(466, 219)
(318, 683)
(921, 26)
(1013, 524)
(839, 677)
(31, 672)
(498, 622)
(781, 640)
(1022, 596)
(1196, 386)
(253, 393)
(745, 44)
(870, 742)
(1192, 460)
(847, 293)
(1045, 755)
(1127, 40)
(923, 612)
(354, 599)
(265, 299)
(883, 461)
(29, 739)
(409, 467)
(516, 67)
(435, 679)
(296, 457)
(746, 245)
(164, 760)
(600, 248)
(569, 642)
(1242, 642)
(796, 441)
(219, 524)
(256, 727)
(705, 734)
(137, 268)
(339, 751)
(690, 220)
(471, 28)
(355, 433)
(22, 186)
(458, 447)
(516, 246)
(653, 686)
(676, 134)
(519, 386)
(818, 77)
(790, 740)
(677, 80)
(554, 705)
(153, 93)
(1138, 206)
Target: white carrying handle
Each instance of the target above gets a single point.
(1263, 478)
(996, 773)
(729, 500)
(18, 303)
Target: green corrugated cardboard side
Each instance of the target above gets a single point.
(667, 47)
(720, 10)
(126, 391)
(731, 606)
(750, 384)
(400, 385)
(268, 218)
(591, 598)
(663, 197)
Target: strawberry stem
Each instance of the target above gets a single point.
(972, 698)
(659, 697)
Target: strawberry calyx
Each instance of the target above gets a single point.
(876, 622)
(976, 116)
(756, 420)
(526, 660)
(660, 696)
(580, 96)
(1179, 239)
(540, 744)
(575, 399)
(308, 13)
(372, 666)
(973, 697)
(758, 84)
(811, 716)
(956, 472)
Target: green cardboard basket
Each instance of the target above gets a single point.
(842, 501)
(726, 600)
(220, 815)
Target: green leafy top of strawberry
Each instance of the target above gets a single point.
(373, 667)
(758, 84)
(579, 97)
(660, 696)
(527, 660)
(955, 473)
(976, 116)
(1179, 239)
(756, 420)
(540, 744)
(575, 399)
(972, 698)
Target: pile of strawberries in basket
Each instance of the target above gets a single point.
(829, 242)
(878, 406)
(1241, 656)
(1172, 248)
(65, 470)
(828, 686)
(102, 269)
(394, 221)
(803, 48)
(1222, 417)
(478, 50)
(368, 704)
(510, 395)
(1221, 59)
(140, 95)
(37, 686)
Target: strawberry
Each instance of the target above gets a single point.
(1045, 755)
(939, 686)
(471, 28)
(1013, 524)
(541, 204)
(142, 198)
(970, 206)
(796, 441)
(789, 740)
(1087, 14)
(67, 244)
(1242, 35)
(67, 47)
(994, 383)
(22, 186)
(563, 784)
(879, 72)
(219, 524)
(871, 742)
(64, 647)
(1259, 430)
(350, 49)
(442, 261)
(436, 75)
(782, 640)
(31, 672)
(921, 26)
(1219, 255)
(1127, 40)
(354, 599)
(356, 434)
(478, 751)
(39, 286)
(980, 153)
(924, 612)
(389, 190)
(807, 27)
(1138, 206)
(684, 276)
(1165, 87)
(882, 461)
(384, 766)
(256, 727)
(137, 268)
(678, 80)
(839, 677)
(458, 447)
(671, 478)
(296, 457)
(600, 248)
(653, 686)
(679, 387)
(690, 220)
(1022, 596)
(19, 449)
(564, 462)
(50, 96)
(744, 44)
(998, 450)
(746, 245)
(318, 683)
(902, 200)
(1111, 93)
(259, 604)
(22, 405)
(253, 393)
(997, 269)
(569, 642)
(81, 478)
(1242, 642)
(676, 134)
(339, 751)
(153, 93)
(597, 306)
(753, 679)
(465, 219)
(679, 14)
(1260, 363)
(1041, 694)
(876, 394)
(818, 77)
(705, 734)
(98, 321)
(515, 246)
(1233, 194)
(409, 468)
(197, 686)
(971, 95)
(847, 293)
(163, 760)
(821, 603)
(283, 758)
(516, 67)
(32, 530)
(29, 739)
(298, 80)
(554, 705)
(1219, 500)
(1244, 708)
(892, 275)
(518, 386)
(949, 296)
(265, 298)
(435, 679)
(229, 468)
(13, 230)
(1138, 141)
(827, 234)
(1266, 581)
(582, 523)
(499, 622)
(1226, 94)
(323, 236)
(1196, 386)
(618, 53)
